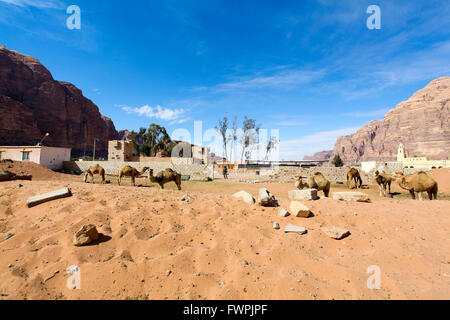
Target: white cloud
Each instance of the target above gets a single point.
(166, 114)
(41, 4)
(298, 148)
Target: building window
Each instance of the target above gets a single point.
(25, 155)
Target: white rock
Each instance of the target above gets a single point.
(351, 196)
(276, 225)
(295, 229)
(298, 209)
(265, 198)
(283, 212)
(41, 198)
(244, 195)
(306, 194)
(336, 233)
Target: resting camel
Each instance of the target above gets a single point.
(317, 181)
(165, 176)
(95, 169)
(383, 180)
(299, 182)
(353, 174)
(128, 171)
(419, 182)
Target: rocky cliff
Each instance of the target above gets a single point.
(422, 124)
(33, 103)
(322, 155)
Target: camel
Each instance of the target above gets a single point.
(353, 174)
(319, 182)
(128, 171)
(419, 183)
(95, 169)
(165, 176)
(383, 180)
(299, 182)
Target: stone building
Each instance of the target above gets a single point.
(122, 150)
(419, 162)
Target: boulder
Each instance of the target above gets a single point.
(336, 233)
(266, 199)
(306, 194)
(244, 195)
(351, 196)
(283, 212)
(296, 229)
(298, 209)
(87, 234)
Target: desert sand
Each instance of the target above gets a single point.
(154, 246)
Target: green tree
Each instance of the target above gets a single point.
(337, 161)
(149, 142)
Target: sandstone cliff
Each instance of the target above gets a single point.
(322, 155)
(33, 103)
(422, 124)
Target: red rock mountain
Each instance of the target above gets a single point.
(422, 124)
(322, 155)
(33, 103)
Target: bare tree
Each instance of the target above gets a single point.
(249, 136)
(232, 137)
(222, 129)
(273, 141)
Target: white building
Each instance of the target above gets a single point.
(48, 157)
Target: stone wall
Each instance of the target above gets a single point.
(285, 174)
(196, 172)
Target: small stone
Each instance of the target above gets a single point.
(244, 195)
(336, 233)
(10, 265)
(187, 199)
(283, 212)
(295, 229)
(87, 234)
(168, 272)
(266, 199)
(9, 235)
(276, 226)
(299, 209)
(19, 186)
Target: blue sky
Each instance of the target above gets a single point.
(311, 69)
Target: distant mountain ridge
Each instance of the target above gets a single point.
(32, 103)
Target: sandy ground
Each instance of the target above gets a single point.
(156, 247)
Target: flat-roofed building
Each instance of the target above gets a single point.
(49, 157)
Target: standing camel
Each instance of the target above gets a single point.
(419, 183)
(353, 174)
(383, 180)
(95, 169)
(128, 171)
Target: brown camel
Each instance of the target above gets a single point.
(128, 171)
(165, 176)
(299, 182)
(319, 182)
(383, 180)
(95, 169)
(419, 183)
(353, 174)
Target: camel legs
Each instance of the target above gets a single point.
(161, 185)
(178, 186)
(413, 195)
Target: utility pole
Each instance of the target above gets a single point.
(93, 157)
